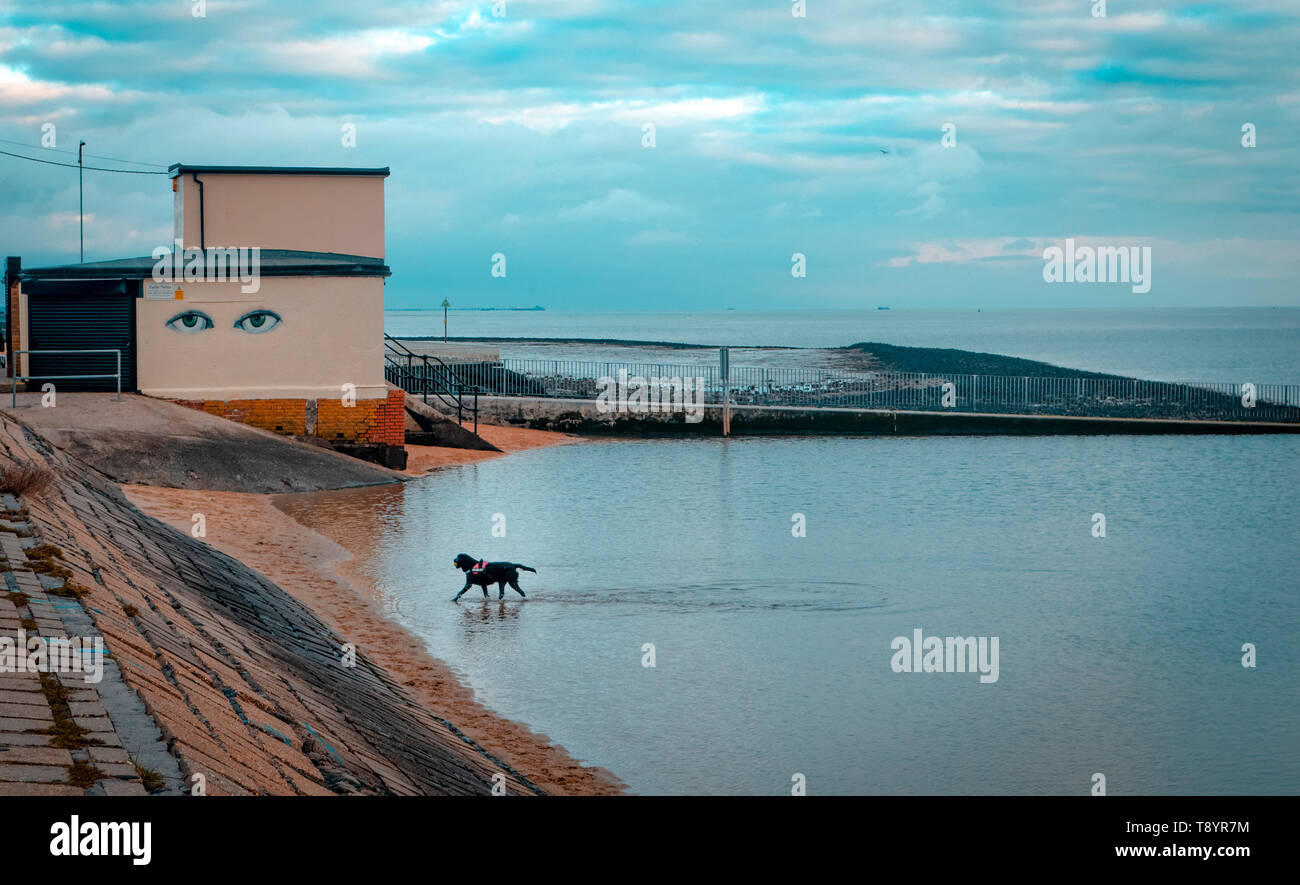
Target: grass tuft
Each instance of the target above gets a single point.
(65, 732)
(70, 590)
(152, 780)
(25, 478)
(49, 567)
(84, 775)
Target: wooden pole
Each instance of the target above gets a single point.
(81, 204)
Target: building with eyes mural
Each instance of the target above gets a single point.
(267, 307)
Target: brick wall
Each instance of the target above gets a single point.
(365, 421)
(287, 416)
(15, 316)
(392, 423)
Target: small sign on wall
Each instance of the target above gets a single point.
(163, 292)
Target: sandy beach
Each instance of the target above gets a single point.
(423, 459)
(322, 575)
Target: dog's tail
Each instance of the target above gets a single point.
(526, 568)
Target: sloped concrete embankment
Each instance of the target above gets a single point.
(247, 686)
(156, 442)
(426, 426)
(56, 737)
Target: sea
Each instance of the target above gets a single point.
(1258, 345)
(736, 616)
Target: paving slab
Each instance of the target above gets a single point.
(34, 756)
(40, 711)
(31, 789)
(33, 774)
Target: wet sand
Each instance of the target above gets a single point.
(424, 459)
(323, 575)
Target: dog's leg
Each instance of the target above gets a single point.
(501, 589)
(462, 591)
(514, 582)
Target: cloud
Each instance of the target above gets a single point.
(350, 55)
(1258, 259)
(618, 205)
(524, 133)
(966, 251)
(17, 89)
(551, 118)
(659, 238)
(932, 206)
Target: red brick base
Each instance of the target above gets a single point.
(364, 421)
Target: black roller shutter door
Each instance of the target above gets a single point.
(81, 315)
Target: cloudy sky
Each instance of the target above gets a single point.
(523, 134)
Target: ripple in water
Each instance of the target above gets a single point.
(1119, 655)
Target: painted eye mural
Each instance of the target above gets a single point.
(190, 322)
(255, 322)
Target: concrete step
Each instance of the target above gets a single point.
(426, 426)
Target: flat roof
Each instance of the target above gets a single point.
(272, 263)
(178, 169)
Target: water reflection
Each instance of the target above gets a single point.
(773, 650)
(491, 611)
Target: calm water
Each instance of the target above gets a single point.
(1261, 345)
(1118, 655)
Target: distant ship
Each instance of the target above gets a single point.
(882, 308)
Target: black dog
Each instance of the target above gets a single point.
(484, 573)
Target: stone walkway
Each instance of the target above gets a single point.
(34, 761)
(243, 686)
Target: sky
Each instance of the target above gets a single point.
(918, 155)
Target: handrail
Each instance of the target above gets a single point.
(420, 381)
(394, 344)
(402, 350)
(450, 388)
(15, 377)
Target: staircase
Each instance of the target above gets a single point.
(427, 376)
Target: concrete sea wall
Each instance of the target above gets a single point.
(582, 416)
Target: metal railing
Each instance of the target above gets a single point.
(15, 377)
(425, 375)
(1089, 396)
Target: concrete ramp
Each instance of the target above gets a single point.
(241, 682)
(426, 426)
(156, 442)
